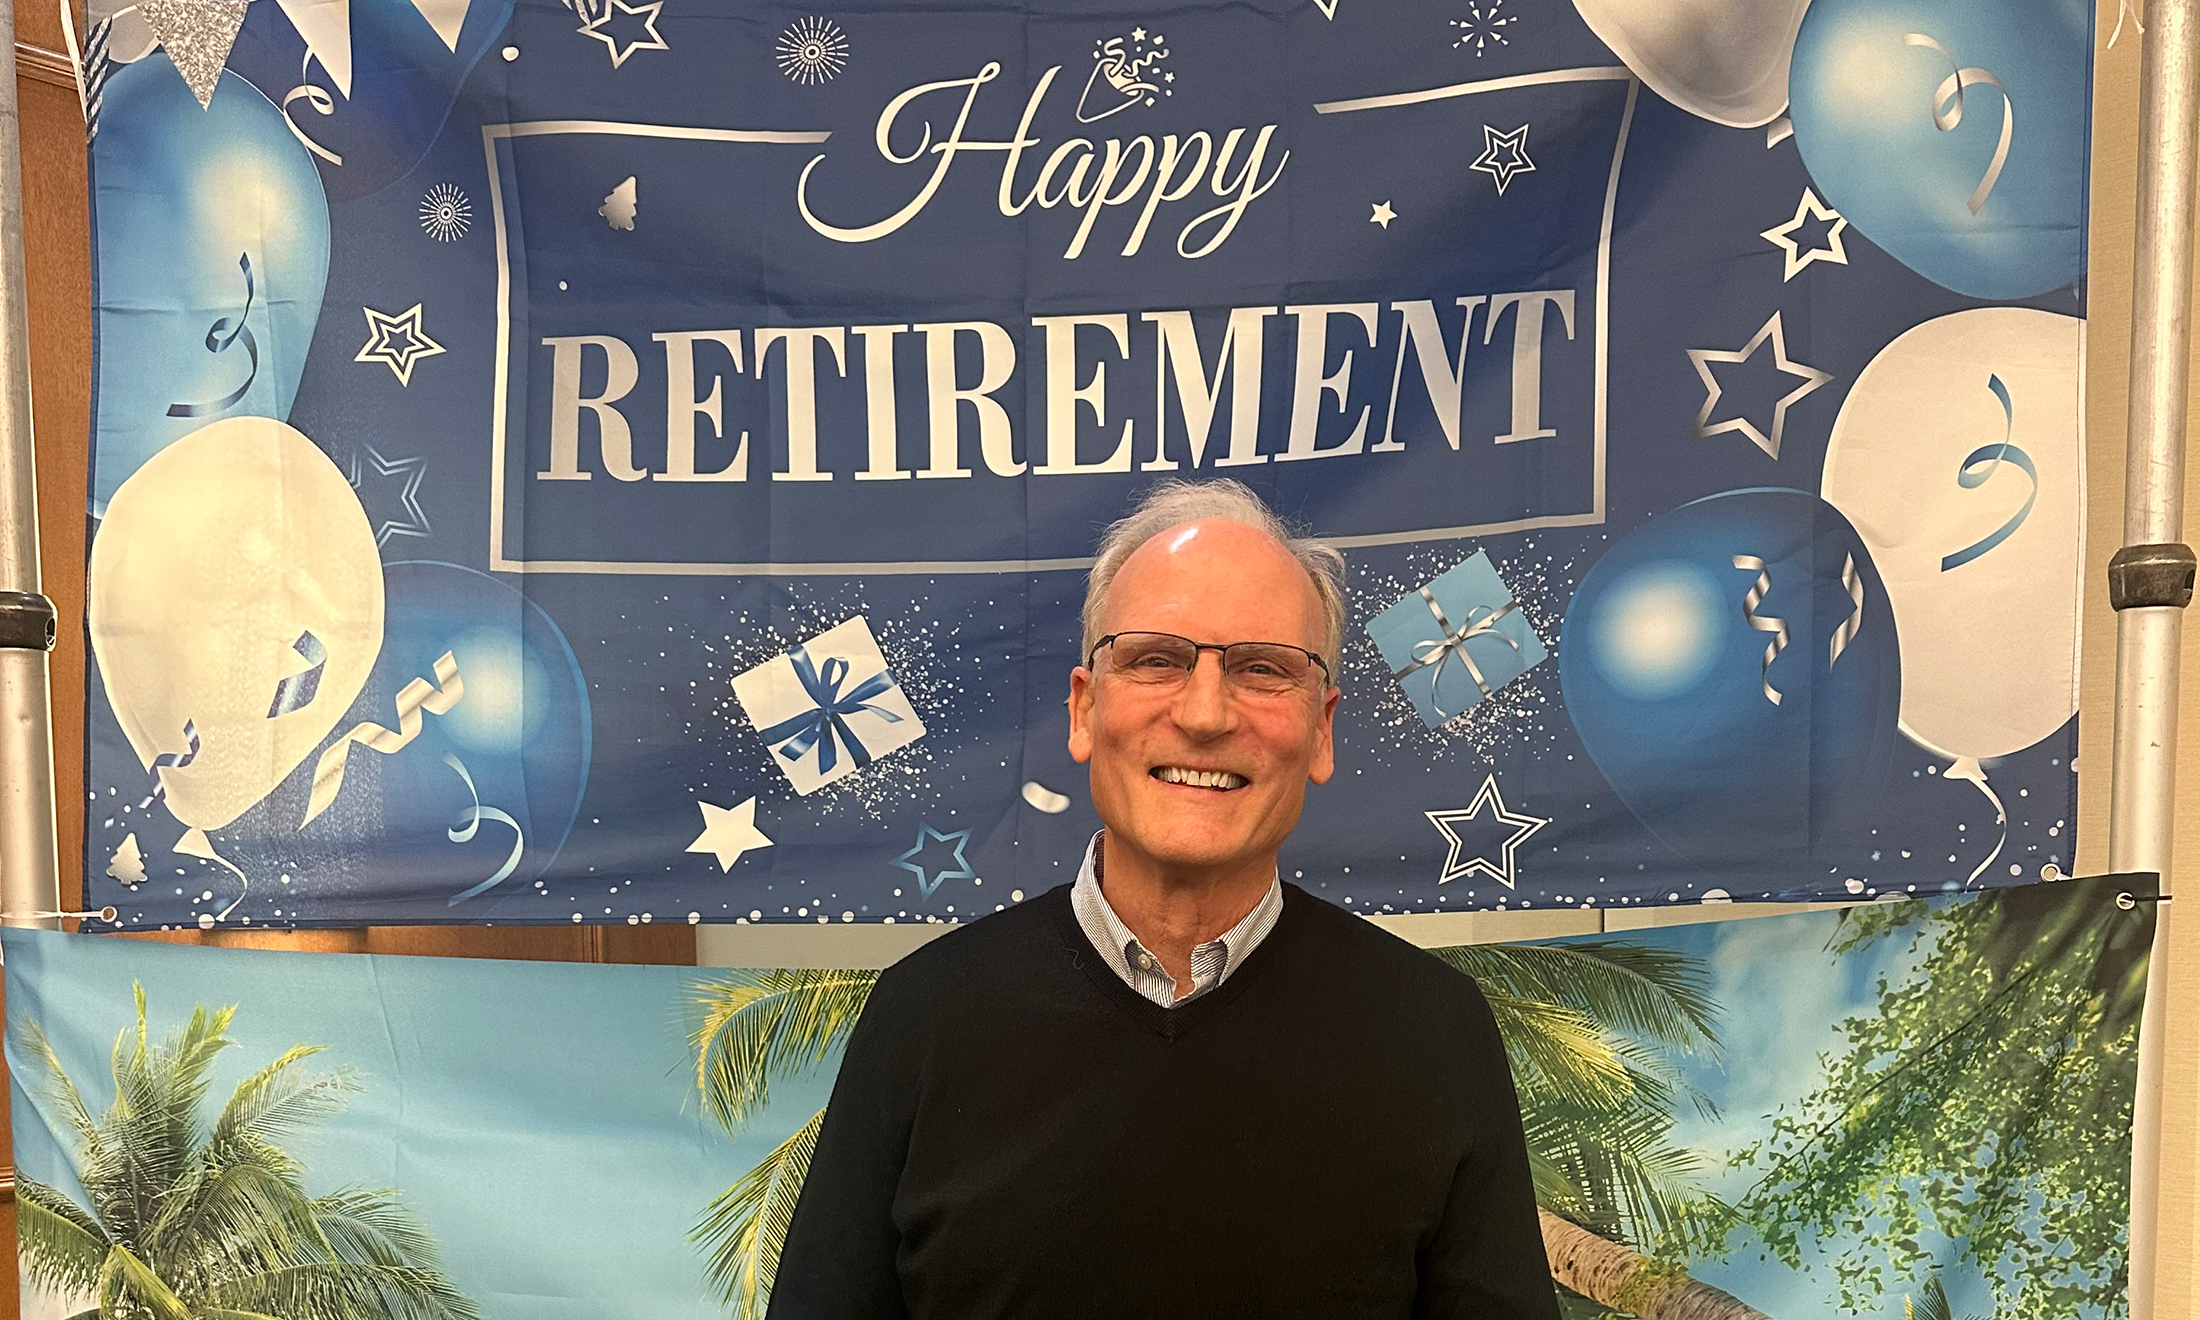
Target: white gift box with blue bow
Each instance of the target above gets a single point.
(828, 707)
(1457, 640)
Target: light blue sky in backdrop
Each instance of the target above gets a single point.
(551, 1134)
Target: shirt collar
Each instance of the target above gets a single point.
(1119, 945)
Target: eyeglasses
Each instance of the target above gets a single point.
(1167, 660)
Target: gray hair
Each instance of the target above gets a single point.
(1174, 503)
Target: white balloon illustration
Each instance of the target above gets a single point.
(1957, 458)
(235, 609)
(1721, 60)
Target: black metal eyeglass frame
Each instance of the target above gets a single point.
(1221, 649)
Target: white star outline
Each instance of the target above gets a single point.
(648, 13)
(1794, 257)
(1516, 161)
(413, 470)
(1524, 828)
(1811, 377)
(728, 832)
(397, 342)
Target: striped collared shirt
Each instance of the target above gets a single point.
(1140, 969)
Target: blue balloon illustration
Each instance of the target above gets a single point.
(1732, 668)
(478, 799)
(379, 79)
(211, 258)
(1952, 134)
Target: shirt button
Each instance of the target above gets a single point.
(1145, 960)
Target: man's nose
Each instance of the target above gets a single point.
(1203, 705)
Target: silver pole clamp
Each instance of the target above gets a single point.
(26, 621)
(2142, 576)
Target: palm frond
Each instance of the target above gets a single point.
(346, 1291)
(369, 1227)
(58, 1242)
(277, 1102)
(1660, 996)
(128, 1287)
(1559, 1052)
(768, 1024)
(238, 1216)
(746, 1227)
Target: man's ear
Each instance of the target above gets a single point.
(1325, 747)
(1080, 715)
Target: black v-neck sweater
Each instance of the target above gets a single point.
(1331, 1133)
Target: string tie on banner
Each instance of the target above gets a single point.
(817, 726)
(176, 760)
(1853, 583)
(2124, 11)
(435, 698)
(317, 98)
(1967, 768)
(469, 822)
(1766, 623)
(1948, 110)
(297, 690)
(1451, 644)
(1979, 466)
(219, 337)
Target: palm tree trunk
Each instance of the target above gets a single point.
(1612, 1275)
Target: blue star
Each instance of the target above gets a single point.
(930, 878)
(408, 473)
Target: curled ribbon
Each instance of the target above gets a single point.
(178, 760)
(463, 829)
(219, 337)
(1948, 110)
(826, 717)
(1778, 627)
(1451, 643)
(1846, 633)
(297, 690)
(1980, 464)
(435, 698)
(1967, 768)
(318, 100)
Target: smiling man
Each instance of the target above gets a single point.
(1178, 1087)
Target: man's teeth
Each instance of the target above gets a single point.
(1223, 779)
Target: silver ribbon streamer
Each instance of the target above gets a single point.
(318, 100)
(469, 822)
(1948, 110)
(1979, 466)
(1767, 623)
(219, 337)
(1853, 583)
(294, 692)
(1451, 644)
(178, 760)
(435, 698)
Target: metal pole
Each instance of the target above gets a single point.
(30, 874)
(2150, 579)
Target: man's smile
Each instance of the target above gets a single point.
(1222, 781)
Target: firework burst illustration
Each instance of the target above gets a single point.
(445, 214)
(1483, 27)
(812, 51)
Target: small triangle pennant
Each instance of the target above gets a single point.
(445, 16)
(197, 35)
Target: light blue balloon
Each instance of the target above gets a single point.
(209, 267)
(1900, 107)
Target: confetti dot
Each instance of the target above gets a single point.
(510, 53)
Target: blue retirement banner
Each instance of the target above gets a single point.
(599, 462)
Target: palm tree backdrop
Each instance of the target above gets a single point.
(185, 1221)
(1594, 1032)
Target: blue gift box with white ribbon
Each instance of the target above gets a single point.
(1457, 640)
